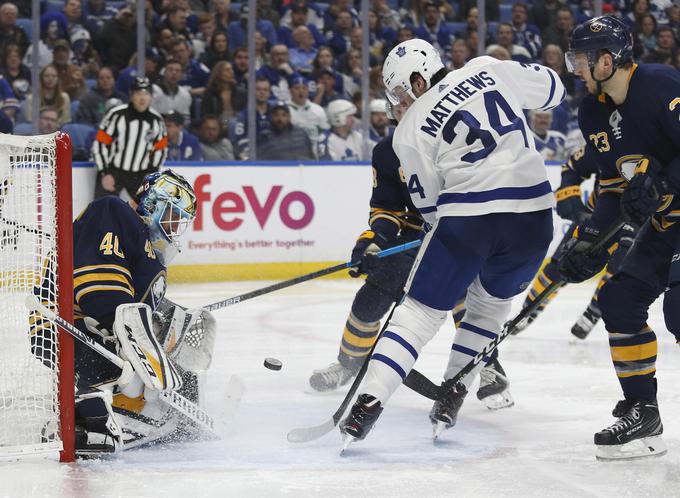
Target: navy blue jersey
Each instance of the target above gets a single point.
(113, 261)
(580, 166)
(391, 206)
(646, 123)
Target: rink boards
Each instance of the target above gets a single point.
(271, 220)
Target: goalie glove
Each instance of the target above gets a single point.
(644, 193)
(139, 346)
(364, 253)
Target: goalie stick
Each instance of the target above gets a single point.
(309, 276)
(174, 399)
(306, 434)
(424, 386)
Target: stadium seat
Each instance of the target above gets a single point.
(74, 108)
(27, 26)
(23, 129)
(457, 27)
(54, 5)
(82, 136)
(491, 28)
(116, 4)
(235, 7)
(91, 83)
(506, 12)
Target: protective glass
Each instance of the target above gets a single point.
(397, 94)
(576, 61)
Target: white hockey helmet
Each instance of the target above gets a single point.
(338, 111)
(410, 56)
(378, 105)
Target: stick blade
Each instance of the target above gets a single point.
(307, 434)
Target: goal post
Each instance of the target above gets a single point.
(36, 257)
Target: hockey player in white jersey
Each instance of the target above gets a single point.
(474, 173)
(342, 142)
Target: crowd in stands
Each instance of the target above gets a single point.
(308, 56)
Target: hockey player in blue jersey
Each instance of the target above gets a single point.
(631, 119)
(393, 220)
(121, 251)
(474, 174)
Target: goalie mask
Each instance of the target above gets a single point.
(167, 204)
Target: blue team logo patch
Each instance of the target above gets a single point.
(401, 51)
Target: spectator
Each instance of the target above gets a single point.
(240, 67)
(380, 123)
(182, 145)
(18, 75)
(131, 143)
(222, 14)
(216, 51)
(195, 74)
(10, 33)
(381, 38)
(223, 97)
(299, 18)
(388, 17)
(339, 37)
(10, 108)
(432, 28)
(303, 54)
(351, 66)
(330, 17)
(237, 30)
(326, 88)
(560, 32)
(94, 103)
(498, 52)
(168, 95)
(492, 10)
(306, 114)
(525, 34)
(415, 14)
(342, 142)
(175, 20)
(637, 9)
(674, 19)
(96, 14)
(283, 141)
(544, 13)
(213, 146)
(50, 95)
(504, 35)
(404, 33)
(165, 41)
(645, 36)
(460, 54)
(277, 72)
(261, 55)
(376, 88)
(118, 40)
(665, 48)
(325, 59)
(553, 57)
(48, 121)
(73, 12)
(151, 69)
(53, 27)
(84, 54)
(207, 29)
(549, 143)
(471, 41)
(71, 77)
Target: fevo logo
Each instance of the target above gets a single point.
(296, 209)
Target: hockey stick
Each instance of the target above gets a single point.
(309, 276)
(306, 434)
(186, 407)
(424, 386)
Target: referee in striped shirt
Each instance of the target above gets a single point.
(131, 143)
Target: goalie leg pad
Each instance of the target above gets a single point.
(139, 346)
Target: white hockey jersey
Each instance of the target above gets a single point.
(333, 147)
(553, 146)
(465, 146)
(310, 117)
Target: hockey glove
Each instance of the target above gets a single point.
(364, 253)
(570, 206)
(643, 195)
(579, 263)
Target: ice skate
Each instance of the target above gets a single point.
(331, 377)
(637, 434)
(445, 411)
(494, 387)
(586, 322)
(523, 324)
(360, 421)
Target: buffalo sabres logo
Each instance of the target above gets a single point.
(158, 290)
(596, 27)
(401, 51)
(615, 122)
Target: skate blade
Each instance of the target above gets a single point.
(499, 401)
(639, 448)
(437, 429)
(347, 440)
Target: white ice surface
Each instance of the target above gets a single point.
(564, 392)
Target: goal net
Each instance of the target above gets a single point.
(36, 359)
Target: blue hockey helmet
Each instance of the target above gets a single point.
(606, 33)
(167, 204)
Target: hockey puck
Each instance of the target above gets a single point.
(273, 364)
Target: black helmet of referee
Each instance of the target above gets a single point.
(140, 83)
